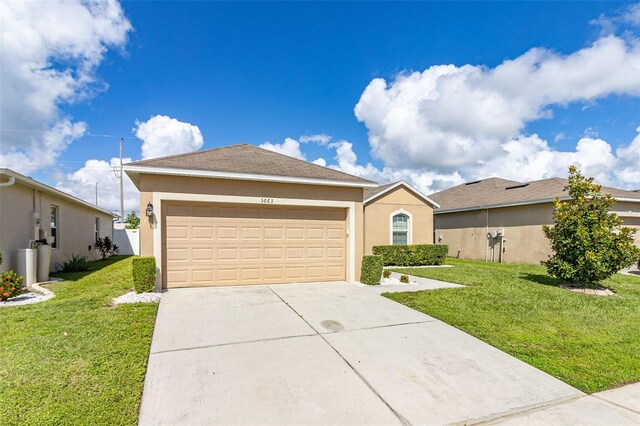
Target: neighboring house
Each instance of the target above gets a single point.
(29, 210)
(397, 213)
(245, 215)
(501, 220)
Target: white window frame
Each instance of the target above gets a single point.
(56, 242)
(409, 226)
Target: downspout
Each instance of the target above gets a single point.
(486, 232)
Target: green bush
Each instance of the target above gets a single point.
(144, 274)
(404, 278)
(386, 273)
(371, 270)
(10, 284)
(412, 255)
(75, 263)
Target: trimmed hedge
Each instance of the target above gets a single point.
(371, 270)
(144, 274)
(412, 255)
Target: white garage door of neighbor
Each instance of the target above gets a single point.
(221, 244)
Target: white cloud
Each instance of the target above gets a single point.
(82, 184)
(523, 158)
(449, 117)
(290, 147)
(162, 135)
(321, 138)
(50, 53)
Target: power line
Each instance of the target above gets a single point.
(89, 134)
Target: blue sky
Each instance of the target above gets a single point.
(257, 72)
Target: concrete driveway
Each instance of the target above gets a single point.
(335, 353)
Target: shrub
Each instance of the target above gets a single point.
(588, 241)
(106, 247)
(404, 279)
(10, 284)
(144, 274)
(386, 273)
(75, 263)
(371, 270)
(412, 255)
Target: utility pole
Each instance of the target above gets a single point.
(121, 185)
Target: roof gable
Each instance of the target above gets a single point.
(373, 194)
(245, 159)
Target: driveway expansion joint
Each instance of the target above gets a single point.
(233, 343)
(356, 372)
(615, 403)
(379, 326)
(518, 412)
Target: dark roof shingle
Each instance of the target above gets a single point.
(493, 191)
(249, 159)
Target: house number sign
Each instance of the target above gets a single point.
(266, 200)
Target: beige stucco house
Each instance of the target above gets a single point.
(501, 220)
(397, 213)
(245, 215)
(30, 209)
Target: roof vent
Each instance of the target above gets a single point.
(473, 183)
(517, 186)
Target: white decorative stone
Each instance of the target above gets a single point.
(133, 297)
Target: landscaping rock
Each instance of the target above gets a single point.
(133, 297)
(600, 291)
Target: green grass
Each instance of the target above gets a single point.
(590, 342)
(75, 359)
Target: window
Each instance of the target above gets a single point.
(54, 227)
(97, 229)
(400, 229)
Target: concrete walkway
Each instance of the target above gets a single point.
(335, 353)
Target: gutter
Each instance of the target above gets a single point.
(522, 203)
(133, 170)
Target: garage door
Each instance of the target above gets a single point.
(221, 244)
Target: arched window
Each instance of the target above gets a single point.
(400, 229)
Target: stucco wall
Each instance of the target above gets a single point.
(191, 185)
(521, 226)
(76, 224)
(377, 218)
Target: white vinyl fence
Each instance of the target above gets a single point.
(128, 240)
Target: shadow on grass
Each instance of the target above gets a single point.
(543, 279)
(94, 266)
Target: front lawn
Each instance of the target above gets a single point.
(75, 359)
(590, 342)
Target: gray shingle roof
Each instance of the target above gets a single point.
(248, 159)
(492, 191)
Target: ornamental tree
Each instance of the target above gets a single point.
(589, 241)
(132, 221)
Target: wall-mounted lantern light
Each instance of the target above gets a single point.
(149, 209)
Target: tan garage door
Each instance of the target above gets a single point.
(222, 244)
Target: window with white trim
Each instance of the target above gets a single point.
(400, 229)
(54, 227)
(97, 229)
